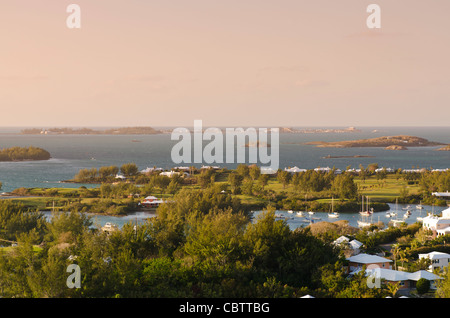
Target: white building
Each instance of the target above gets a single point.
(170, 174)
(441, 194)
(438, 260)
(439, 225)
(322, 169)
(345, 242)
(356, 262)
(294, 169)
(150, 170)
(406, 280)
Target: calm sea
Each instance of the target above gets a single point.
(70, 153)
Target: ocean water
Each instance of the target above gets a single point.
(70, 153)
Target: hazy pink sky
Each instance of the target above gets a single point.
(227, 62)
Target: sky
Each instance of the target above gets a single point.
(261, 63)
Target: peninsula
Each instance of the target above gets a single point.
(386, 141)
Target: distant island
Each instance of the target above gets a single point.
(355, 156)
(396, 147)
(89, 131)
(445, 148)
(317, 130)
(23, 154)
(389, 142)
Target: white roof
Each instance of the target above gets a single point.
(423, 274)
(395, 276)
(389, 274)
(434, 255)
(355, 244)
(441, 194)
(367, 259)
(443, 221)
(341, 239)
(294, 169)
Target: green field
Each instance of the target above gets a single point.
(387, 190)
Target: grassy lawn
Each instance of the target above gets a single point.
(386, 190)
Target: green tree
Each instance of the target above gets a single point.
(216, 237)
(422, 286)
(344, 187)
(129, 169)
(263, 180)
(243, 170)
(443, 286)
(235, 181)
(284, 177)
(254, 172)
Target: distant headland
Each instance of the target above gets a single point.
(317, 130)
(90, 131)
(388, 142)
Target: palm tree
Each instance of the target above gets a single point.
(395, 250)
(393, 288)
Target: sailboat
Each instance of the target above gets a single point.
(309, 212)
(333, 214)
(364, 213)
(396, 221)
(419, 207)
(420, 218)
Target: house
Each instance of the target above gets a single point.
(441, 194)
(406, 280)
(151, 202)
(414, 277)
(356, 262)
(170, 174)
(150, 170)
(388, 170)
(355, 245)
(321, 169)
(438, 225)
(346, 243)
(438, 260)
(267, 170)
(341, 240)
(294, 170)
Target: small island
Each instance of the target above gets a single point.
(396, 147)
(340, 157)
(23, 154)
(385, 141)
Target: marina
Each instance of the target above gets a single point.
(354, 219)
